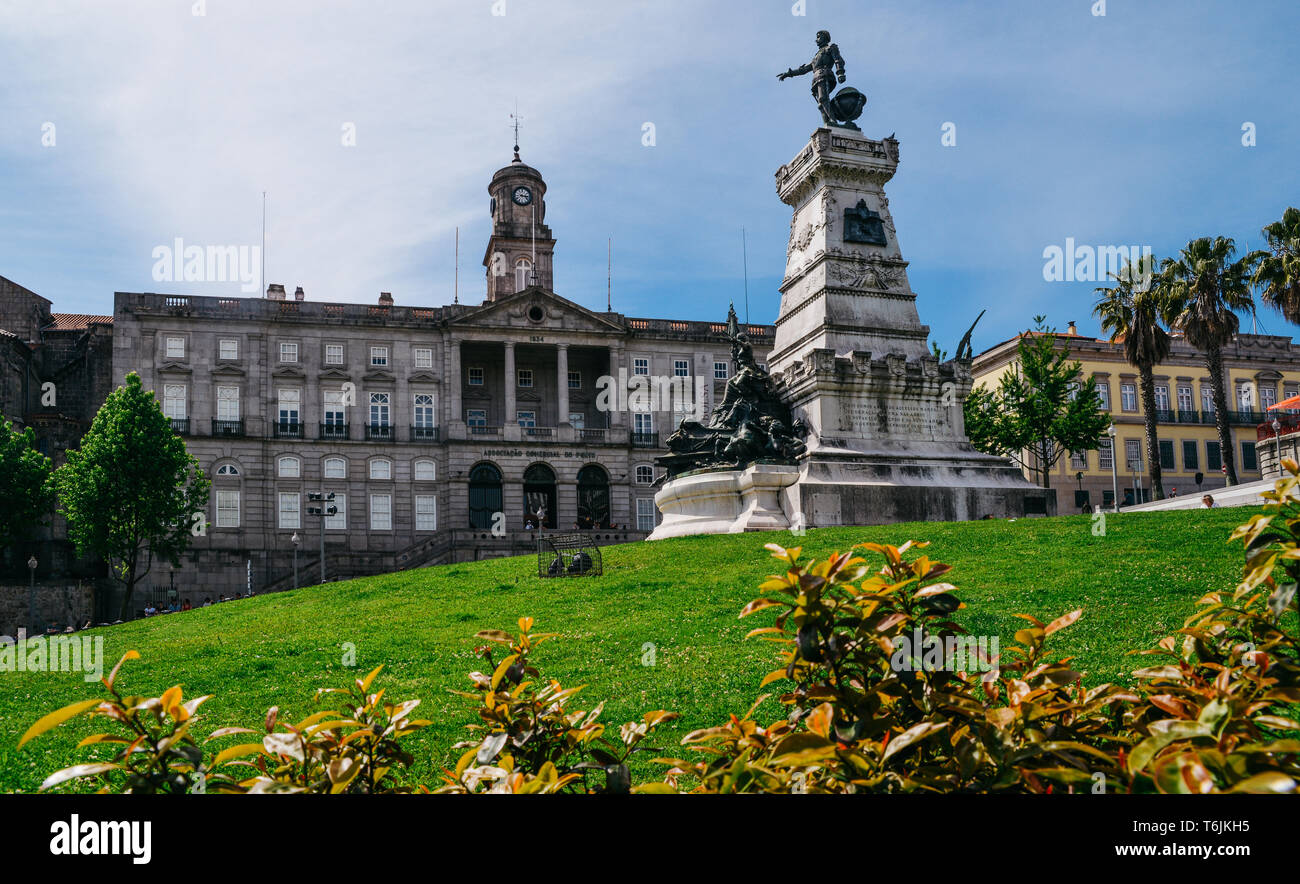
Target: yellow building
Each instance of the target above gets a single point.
(1262, 370)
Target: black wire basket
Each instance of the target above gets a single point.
(568, 555)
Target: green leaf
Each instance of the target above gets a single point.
(54, 719)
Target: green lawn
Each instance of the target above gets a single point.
(1135, 584)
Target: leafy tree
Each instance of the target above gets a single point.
(1202, 291)
(940, 354)
(1131, 312)
(26, 486)
(1040, 408)
(1277, 270)
(132, 489)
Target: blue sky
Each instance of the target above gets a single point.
(1123, 129)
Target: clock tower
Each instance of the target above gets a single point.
(521, 246)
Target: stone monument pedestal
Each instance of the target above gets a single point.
(886, 438)
(725, 501)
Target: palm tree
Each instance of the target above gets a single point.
(1131, 311)
(1202, 290)
(1278, 268)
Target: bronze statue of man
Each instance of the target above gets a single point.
(827, 66)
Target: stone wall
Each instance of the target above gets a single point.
(56, 603)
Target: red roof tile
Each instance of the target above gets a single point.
(76, 321)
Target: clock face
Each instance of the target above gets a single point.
(522, 196)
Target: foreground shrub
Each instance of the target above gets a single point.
(532, 741)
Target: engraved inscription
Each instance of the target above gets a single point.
(912, 419)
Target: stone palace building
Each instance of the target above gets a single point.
(441, 431)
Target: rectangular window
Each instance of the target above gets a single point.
(643, 423)
(1128, 397)
(227, 509)
(575, 380)
(641, 365)
(525, 377)
(425, 471)
(1105, 458)
(379, 409)
(426, 512)
(526, 418)
(1245, 397)
(332, 409)
(288, 407)
(1191, 457)
(379, 356)
(381, 512)
(1162, 397)
(476, 377)
(645, 474)
(288, 351)
(1288, 393)
(333, 354)
(1132, 455)
(381, 469)
(476, 417)
(1103, 394)
(174, 401)
(645, 514)
(289, 518)
(336, 468)
(1078, 460)
(338, 521)
(1167, 455)
(1207, 399)
(289, 467)
(721, 371)
(577, 420)
(175, 348)
(227, 403)
(424, 411)
(681, 368)
(1267, 397)
(228, 348)
(1213, 457)
(1248, 461)
(423, 357)
(1185, 401)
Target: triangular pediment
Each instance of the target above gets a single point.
(539, 311)
(423, 375)
(288, 372)
(333, 374)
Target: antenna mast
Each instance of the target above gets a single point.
(264, 243)
(456, 285)
(609, 275)
(744, 251)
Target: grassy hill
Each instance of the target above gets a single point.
(1136, 584)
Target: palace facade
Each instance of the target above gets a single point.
(443, 433)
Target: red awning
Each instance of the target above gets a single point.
(1293, 402)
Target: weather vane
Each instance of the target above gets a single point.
(515, 116)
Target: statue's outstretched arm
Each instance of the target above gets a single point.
(795, 72)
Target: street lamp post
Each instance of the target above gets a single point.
(326, 509)
(1114, 469)
(31, 592)
(1277, 443)
(295, 540)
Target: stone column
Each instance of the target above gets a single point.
(562, 382)
(615, 418)
(508, 418)
(451, 387)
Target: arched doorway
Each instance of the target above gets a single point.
(539, 494)
(593, 497)
(484, 495)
